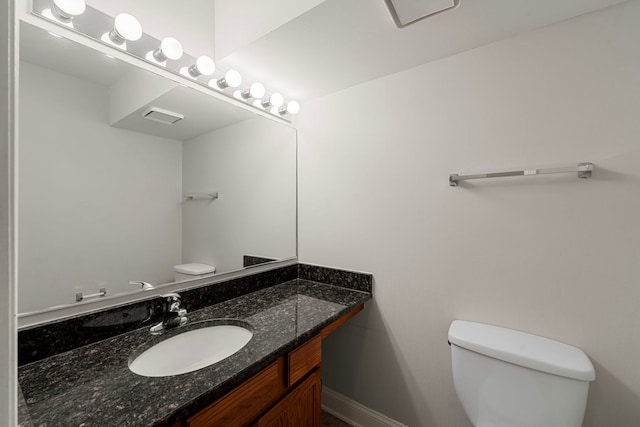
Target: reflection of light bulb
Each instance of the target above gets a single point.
(65, 10)
(256, 91)
(231, 78)
(170, 48)
(204, 66)
(292, 107)
(47, 13)
(275, 100)
(126, 28)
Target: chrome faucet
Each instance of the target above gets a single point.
(172, 315)
(145, 286)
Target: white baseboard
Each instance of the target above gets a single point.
(353, 412)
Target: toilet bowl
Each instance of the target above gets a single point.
(192, 271)
(507, 378)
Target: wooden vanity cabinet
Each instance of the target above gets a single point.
(284, 394)
(246, 402)
(301, 407)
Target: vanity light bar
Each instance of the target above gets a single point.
(125, 32)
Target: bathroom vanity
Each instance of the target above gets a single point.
(276, 376)
(235, 206)
(290, 386)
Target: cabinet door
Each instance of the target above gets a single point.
(246, 402)
(299, 408)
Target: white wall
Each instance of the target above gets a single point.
(551, 255)
(83, 184)
(252, 166)
(8, 347)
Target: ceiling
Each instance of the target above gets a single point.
(341, 43)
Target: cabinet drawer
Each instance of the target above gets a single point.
(304, 359)
(246, 402)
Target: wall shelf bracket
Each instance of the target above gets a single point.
(584, 170)
(201, 196)
(81, 297)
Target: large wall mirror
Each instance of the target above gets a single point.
(102, 189)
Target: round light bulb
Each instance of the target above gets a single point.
(203, 66)
(292, 107)
(233, 78)
(257, 90)
(126, 28)
(276, 100)
(67, 9)
(170, 48)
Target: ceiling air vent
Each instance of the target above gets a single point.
(161, 115)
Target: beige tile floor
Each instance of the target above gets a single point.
(329, 420)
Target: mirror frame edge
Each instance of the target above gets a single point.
(8, 251)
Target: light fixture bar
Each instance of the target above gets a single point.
(126, 35)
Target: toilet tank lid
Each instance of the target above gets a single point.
(194, 268)
(520, 348)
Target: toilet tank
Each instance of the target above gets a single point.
(509, 378)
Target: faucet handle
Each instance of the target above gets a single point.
(172, 301)
(145, 285)
(171, 296)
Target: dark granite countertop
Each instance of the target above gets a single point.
(93, 386)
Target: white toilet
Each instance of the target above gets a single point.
(507, 378)
(192, 271)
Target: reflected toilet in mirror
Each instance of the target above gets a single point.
(192, 270)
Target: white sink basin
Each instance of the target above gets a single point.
(192, 350)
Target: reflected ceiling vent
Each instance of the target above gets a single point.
(407, 12)
(161, 115)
